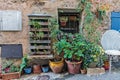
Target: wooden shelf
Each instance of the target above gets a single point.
(41, 56)
(41, 29)
(67, 28)
(40, 47)
(40, 41)
(40, 53)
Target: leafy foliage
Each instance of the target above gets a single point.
(71, 46)
(9, 66)
(24, 63)
(90, 21)
(36, 34)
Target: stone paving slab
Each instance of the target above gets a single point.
(114, 75)
(106, 76)
(66, 76)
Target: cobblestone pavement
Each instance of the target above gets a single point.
(114, 75)
(66, 76)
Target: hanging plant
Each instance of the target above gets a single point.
(63, 20)
(72, 18)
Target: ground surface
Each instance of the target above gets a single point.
(114, 75)
(66, 76)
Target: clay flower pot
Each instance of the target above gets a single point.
(73, 67)
(83, 71)
(106, 65)
(36, 69)
(63, 23)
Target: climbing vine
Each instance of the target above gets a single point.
(91, 21)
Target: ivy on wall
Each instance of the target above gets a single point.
(91, 21)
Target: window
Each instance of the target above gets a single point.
(115, 21)
(68, 20)
(10, 20)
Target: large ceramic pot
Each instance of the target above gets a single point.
(56, 67)
(73, 67)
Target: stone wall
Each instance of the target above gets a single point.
(28, 7)
(40, 6)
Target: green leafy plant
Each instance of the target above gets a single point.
(24, 63)
(54, 29)
(8, 66)
(63, 18)
(90, 21)
(72, 47)
(90, 26)
(37, 34)
(92, 54)
(54, 33)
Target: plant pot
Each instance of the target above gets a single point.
(72, 18)
(63, 23)
(73, 67)
(36, 69)
(27, 70)
(56, 66)
(45, 68)
(10, 76)
(106, 65)
(83, 71)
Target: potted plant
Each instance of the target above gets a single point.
(45, 68)
(56, 64)
(35, 30)
(72, 48)
(72, 18)
(63, 20)
(24, 65)
(84, 64)
(105, 61)
(10, 70)
(36, 69)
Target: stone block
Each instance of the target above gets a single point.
(95, 71)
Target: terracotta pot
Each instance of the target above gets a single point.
(73, 67)
(36, 69)
(106, 65)
(72, 18)
(56, 66)
(63, 23)
(83, 71)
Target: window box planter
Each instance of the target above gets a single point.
(9, 76)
